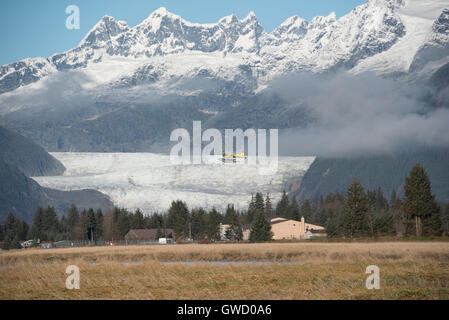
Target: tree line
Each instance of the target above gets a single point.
(370, 214)
(197, 224)
(358, 214)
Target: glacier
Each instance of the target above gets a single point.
(149, 181)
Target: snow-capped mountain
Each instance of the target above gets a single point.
(166, 46)
(124, 88)
(436, 46)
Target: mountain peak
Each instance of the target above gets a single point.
(294, 25)
(232, 18)
(323, 21)
(390, 3)
(293, 21)
(103, 30)
(162, 12)
(251, 16)
(107, 18)
(441, 25)
(332, 16)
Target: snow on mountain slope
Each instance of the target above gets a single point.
(24, 72)
(418, 17)
(329, 42)
(436, 46)
(150, 182)
(380, 35)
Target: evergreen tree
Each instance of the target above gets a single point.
(15, 230)
(72, 220)
(295, 212)
(91, 224)
(199, 224)
(22, 229)
(383, 223)
(259, 203)
(431, 224)
(371, 197)
(419, 204)
(261, 229)
(321, 217)
(251, 210)
(155, 221)
(333, 227)
(138, 221)
(230, 216)
(98, 224)
(355, 222)
(399, 217)
(10, 226)
(213, 225)
(268, 207)
(122, 225)
(15, 243)
(306, 210)
(6, 243)
(234, 232)
(50, 223)
(381, 203)
(37, 229)
(283, 206)
(11, 223)
(84, 224)
(178, 219)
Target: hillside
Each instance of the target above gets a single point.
(328, 175)
(21, 196)
(21, 158)
(18, 193)
(27, 156)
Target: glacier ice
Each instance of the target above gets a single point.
(150, 182)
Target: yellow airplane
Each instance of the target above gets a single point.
(229, 155)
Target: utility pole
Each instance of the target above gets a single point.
(112, 226)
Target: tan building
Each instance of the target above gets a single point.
(291, 229)
(246, 233)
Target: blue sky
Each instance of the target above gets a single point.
(31, 28)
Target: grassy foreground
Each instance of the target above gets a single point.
(408, 270)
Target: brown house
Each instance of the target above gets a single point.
(148, 234)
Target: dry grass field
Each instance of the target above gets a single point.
(408, 270)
